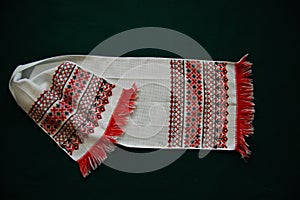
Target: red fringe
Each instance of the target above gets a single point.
(98, 152)
(124, 108)
(95, 156)
(245, 105)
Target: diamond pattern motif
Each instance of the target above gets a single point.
(215, 105)
(198, 104)
(69, 111)
(176, 103)
(64, 107)
(193, 118)
(47, 98)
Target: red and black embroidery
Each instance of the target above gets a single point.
(89, 111)
(176, 126)
(71, 108)
(193, 109)
(60, 111)
(198, 105)
(222, 137)
(215, 105)
(47, 98)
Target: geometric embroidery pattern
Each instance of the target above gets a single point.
(69, 111)
(176, 120)
(215, 105)
(62, 108)
(193, 110)
(222, 135)
(198, 104)
(47, 98)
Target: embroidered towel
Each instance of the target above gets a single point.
(182, 103)
(83, 113)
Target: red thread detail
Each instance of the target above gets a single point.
(95, 156)
(245, 105)
(124, 108)
(176, 103)
(194, 107)
(98, 152)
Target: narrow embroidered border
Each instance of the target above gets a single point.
(215, 105)
(193, 104)
(176, 121)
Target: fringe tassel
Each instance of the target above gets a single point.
(95, 156)
(125, 107)
(245, 105)
(98, 152)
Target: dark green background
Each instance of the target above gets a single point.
(32, 167)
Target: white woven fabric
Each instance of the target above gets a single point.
(82, 112)
(83, 104)
(149, 125)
